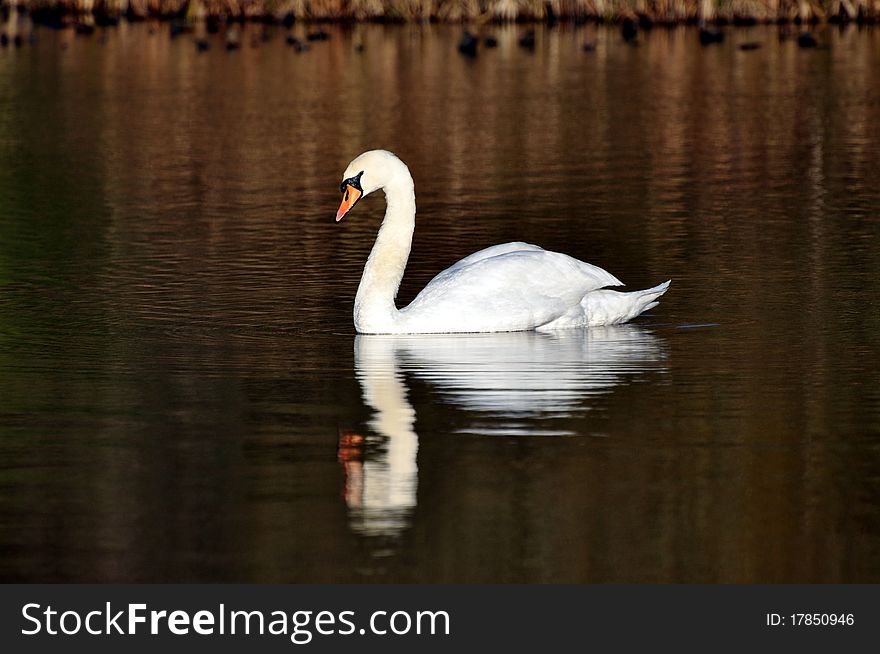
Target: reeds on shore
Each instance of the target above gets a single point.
(647, 11)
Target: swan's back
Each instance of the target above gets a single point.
(492, 251)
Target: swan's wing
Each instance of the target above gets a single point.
(512, 290)
(492, 251)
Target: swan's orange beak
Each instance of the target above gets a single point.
(349, 198)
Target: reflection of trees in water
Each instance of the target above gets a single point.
(662, 143)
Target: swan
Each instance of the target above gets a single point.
(503, 288)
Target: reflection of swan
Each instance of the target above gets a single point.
(504, 288)
(381, 490)
(521, 383)
(527, 374)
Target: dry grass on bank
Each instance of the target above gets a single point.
(660, 11)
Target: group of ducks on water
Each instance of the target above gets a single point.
(468, 45)
(86, 25)
(233, 40)
(629, 30)
(232, 35)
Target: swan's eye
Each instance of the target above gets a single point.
(353, 182)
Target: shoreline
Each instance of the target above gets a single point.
(107, 13)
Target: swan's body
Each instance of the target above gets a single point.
(508, 287)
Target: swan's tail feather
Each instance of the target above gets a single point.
(607, 307)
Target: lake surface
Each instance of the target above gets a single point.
(183, 396)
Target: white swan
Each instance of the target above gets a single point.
(504, 288)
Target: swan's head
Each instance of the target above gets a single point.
(369, 172)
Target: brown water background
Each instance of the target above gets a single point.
(182, 397)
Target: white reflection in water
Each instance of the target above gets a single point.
(509, 384)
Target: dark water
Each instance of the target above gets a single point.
(182, 395)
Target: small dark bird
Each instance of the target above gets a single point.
(490, 42)
(17, 40)
(298, 46)
(178, 27)
(288, 20)
(51, 16)
(468, 44)
(527, 40)
(202, 45)
(104, 19)
(807, 40)
(320, 35)
(629, 30)
(589, 46)
(85, 29)
(4, 40)
(212, 23)
(749, 45)
(710, 36)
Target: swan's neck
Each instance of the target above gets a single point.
(374, 308)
